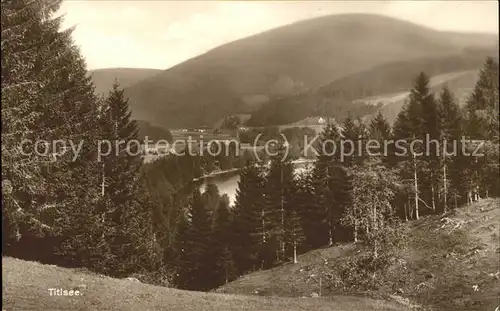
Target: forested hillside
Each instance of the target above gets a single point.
(364, 93)
(103, 78)
(77, 194)
(352, 195)
(244, 75)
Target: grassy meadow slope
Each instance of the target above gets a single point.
(460, 83)
(241, 76)
(371, 86)
(104, 78)
(446, 257)
(26, 284)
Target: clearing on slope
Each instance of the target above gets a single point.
(451, 263)
(26, 287)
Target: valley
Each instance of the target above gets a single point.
(251, 76)
(250, 156)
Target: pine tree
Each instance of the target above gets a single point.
(46, 96)
(482, 124)
(211, 197)
(125, 211)
(324, 207)
(183, 260)
(350, 133)
(380, 131)
(416, 121)
(279, 193)
(312, 215)
(249, 223)
(450, 119)
(294, 234)
(225, 268)
(194, 267)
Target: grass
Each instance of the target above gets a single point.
(26, 284)
(446, 257)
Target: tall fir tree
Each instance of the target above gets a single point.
(312, 215)
(294, 233)
(482, 124)
(225, 267)
(350, 134)
(47, 96)
(249, 223)
(324, 207)
(279, 193)
(416, 122)
(124, 207)
(451, 130)
(379, 131)
(194, 267)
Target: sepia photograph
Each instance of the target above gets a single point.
(250, 155)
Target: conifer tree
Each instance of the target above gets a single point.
(183, 260)
(46, 96)
(482, 124)
(350, 133)
(380, 131)
(211, 197)
(414, 122)
(124, 210)
(332, 183)
(312, 215)
(249, 223)
(194, 267)
(279, 193)
(225, 268)
(450, 119)
(294, 234)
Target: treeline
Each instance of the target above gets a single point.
(355, 197)
(59, 207)
(119, 217)
(153, 133)
(99, 209)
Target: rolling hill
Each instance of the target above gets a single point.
(460, 83)
(242, 76)
(26, 287)
(104, 78)
(359, 94)
(446, 258)
(153, 133)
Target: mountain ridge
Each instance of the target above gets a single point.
(243, 75)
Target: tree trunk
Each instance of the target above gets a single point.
(433, 194)
(295, 252)
(415, 185)
(330, 233)
(263, 228)
(410, 212)
(445, 188)
(406, 212)
(282, 242)
(227, 281)
(375, 253)
(103, 182)
(355, 231)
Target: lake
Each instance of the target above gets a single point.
(228, 183)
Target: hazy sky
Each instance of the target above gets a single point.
(160, 34)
